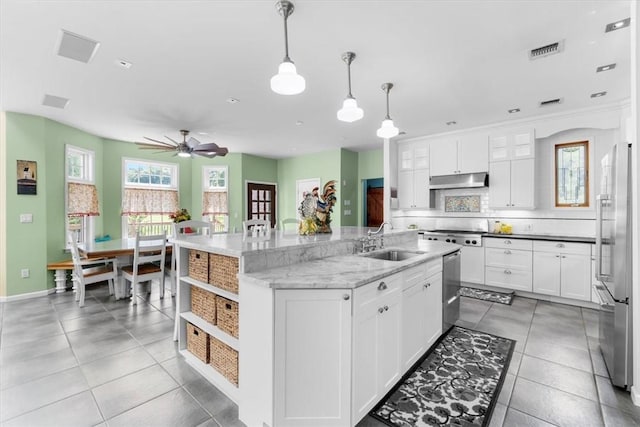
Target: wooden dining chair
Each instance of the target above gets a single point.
(148, 263)
(90, 271)
(262, 225)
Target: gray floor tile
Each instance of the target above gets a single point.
(554, 406)
(163, 349)
(599, 367)
(514, 364)
(614, 417)
(115, 366)
(28, 351)
(91, 321)
(472, 310)
(180, 370)
(74, 313)
(26, 397)
(125, 393)
(154, 332)
(565, 338)
(504, 331)
(22, 371)
(465, 324)
(558, 376)
(515, 418)
(549, 321)
(143, 319)
(211, 399)
(30, 335)
(170, 312)
(212, 423)
(20, 321)
(96, 332)
(615, 397)
(497, 416)
(228, 417)
(175, 408)
(507, 389)
(518, 326)
(514, 312)
(89, 351)
(125, 309)
(562, 311)
(568, 356)
(78, 410)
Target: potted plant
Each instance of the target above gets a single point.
(181, 215)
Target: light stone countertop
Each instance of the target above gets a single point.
(345, 271)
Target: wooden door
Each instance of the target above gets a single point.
(261, 202)
(375, 213)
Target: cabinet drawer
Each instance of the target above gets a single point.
(369, 292)
(508, 258)
(509, 278)
(414, 276)
(507, 243)
(562, 247)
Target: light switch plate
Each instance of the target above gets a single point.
(26, 218)
(24, 273)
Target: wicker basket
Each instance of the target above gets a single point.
(223, 272)
(198, 342)
(199, 265)
(227, 315)
(224, 359)
(203, 304)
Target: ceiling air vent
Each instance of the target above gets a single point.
(550, 49)
(549, 102)
(75, 46)
(54, 101)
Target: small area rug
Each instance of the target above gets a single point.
(483, 294)
(456, 383)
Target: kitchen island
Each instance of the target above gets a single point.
(319, 336)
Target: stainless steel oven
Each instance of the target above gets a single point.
(471, 253)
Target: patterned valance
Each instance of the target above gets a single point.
(214, 203)
(138, 201)
(82, 200)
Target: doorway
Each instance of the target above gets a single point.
(373, 205)
(261, 201)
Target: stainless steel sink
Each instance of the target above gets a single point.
(392, 255)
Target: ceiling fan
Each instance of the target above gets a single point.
(185, 148)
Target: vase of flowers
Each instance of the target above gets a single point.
(181, 215)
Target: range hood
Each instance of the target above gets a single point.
(462, 180)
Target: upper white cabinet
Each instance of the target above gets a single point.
(517, 144)
(464, 153)
(413, 176)
(512, 170)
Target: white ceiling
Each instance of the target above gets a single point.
(465, 61)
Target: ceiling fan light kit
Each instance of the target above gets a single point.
(287, 81)
(350, 112)
(387, 129)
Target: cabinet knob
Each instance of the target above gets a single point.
(557, 256)
(563, 256)
(426, 285)
(507, 272)
(382, 286)
(386, 308)
(346, 297)
(380, 310)
(507, 251)
(507, 242)
(560, 245)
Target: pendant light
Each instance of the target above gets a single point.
(349, 112)
(287, 81)
(387, 129)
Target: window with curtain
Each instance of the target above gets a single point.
(150, 195)
(81, 192)
(215, 205)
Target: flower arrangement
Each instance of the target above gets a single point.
(180, 215)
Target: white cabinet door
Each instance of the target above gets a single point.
(405, 157)
(414, 323)
(575, 276)
(546, 273)
(365, 359)
(312, 357)
(421, 155)
(499, 148)
(434, 309)
(523, 144)
(500, 184)
(389, 336)
(523, 184)
(405, 189)
(444, 157)
(473, 153)
(421, 188)
(472, 264)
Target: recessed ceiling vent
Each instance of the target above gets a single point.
(550, 49)
(74, 46)
(550, 102)
(54, 101)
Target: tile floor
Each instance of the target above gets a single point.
(114, 364)
(557, 376)
(109, 363)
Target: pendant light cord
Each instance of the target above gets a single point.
(286, 37)
(388, 117)
(349, 79)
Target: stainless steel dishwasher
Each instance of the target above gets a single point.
(450, 289)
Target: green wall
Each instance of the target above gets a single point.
(42, 140)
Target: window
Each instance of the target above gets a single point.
(150, 195)
(572, 174)
(81, 193)
(215, 207)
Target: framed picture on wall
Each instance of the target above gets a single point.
(27, 177)
(304, 186)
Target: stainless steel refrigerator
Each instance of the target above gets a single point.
(613, 263)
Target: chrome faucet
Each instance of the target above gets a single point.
(369, 232)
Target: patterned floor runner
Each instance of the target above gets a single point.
(483, 294)
(456, 383)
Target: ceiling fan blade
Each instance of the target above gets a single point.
(207, 154)
(175, 142)
(192, 142)
(145, 146)
(160, 142)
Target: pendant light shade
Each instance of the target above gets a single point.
(287, 81)
(350, 112)
(387, 129)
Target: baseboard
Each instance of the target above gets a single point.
(635, 395)
(28, 295)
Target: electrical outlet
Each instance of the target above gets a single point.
(347, 212)
(528, 227)
(24, 273)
